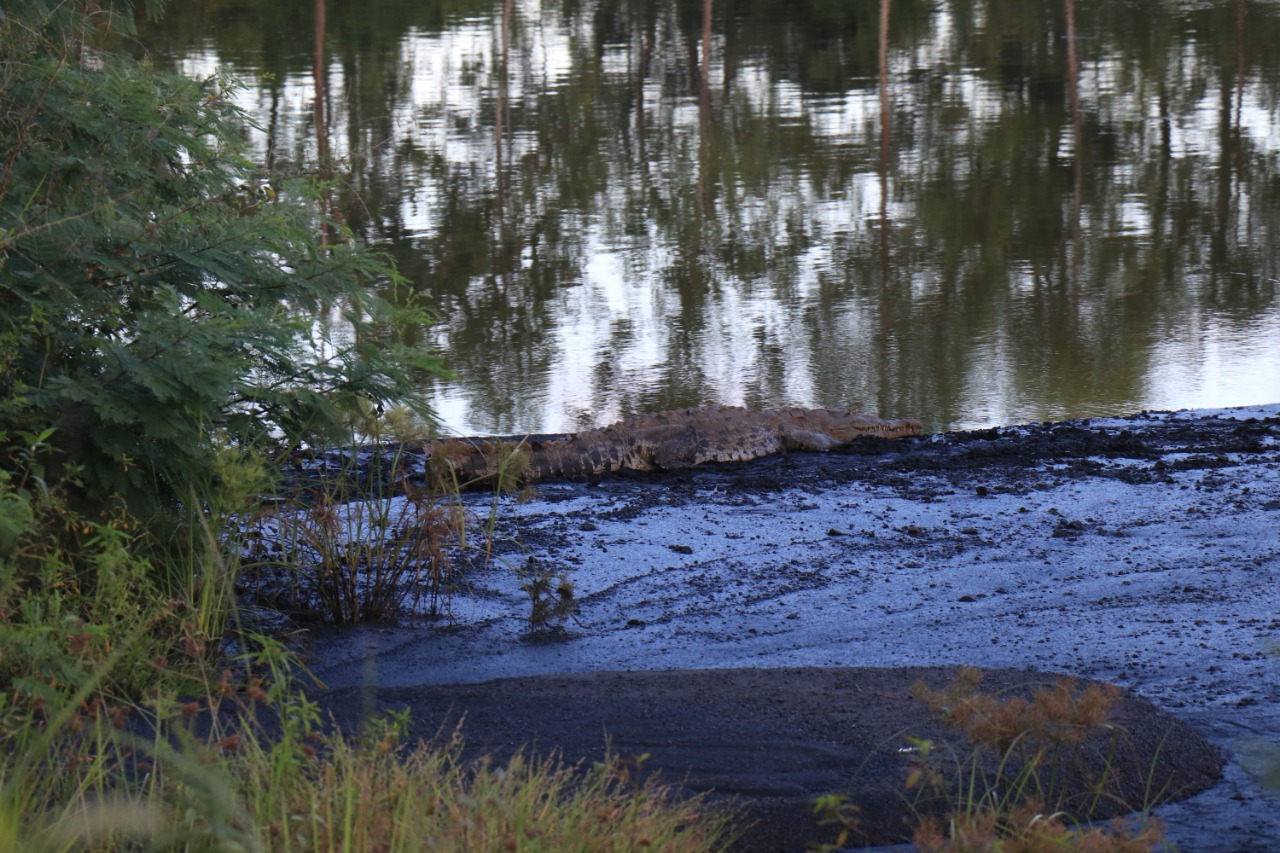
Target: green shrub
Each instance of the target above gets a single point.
(157, 293)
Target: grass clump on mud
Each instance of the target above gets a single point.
(1024, 782)
(356, 536)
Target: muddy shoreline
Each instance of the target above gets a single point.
(1142, 551)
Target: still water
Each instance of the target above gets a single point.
(970, 212)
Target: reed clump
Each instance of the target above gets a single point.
(380, 526)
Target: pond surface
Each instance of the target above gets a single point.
(969, 212)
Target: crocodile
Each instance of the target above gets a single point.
(662, 441)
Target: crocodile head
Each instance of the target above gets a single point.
(845, 426)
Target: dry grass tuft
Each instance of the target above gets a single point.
(1024, 755)
(1027, 829)
(1054, 715)
(1015, 788)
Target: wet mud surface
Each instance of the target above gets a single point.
(1143, 551)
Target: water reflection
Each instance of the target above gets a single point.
(972, 212)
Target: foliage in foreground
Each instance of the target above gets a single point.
(159, 296)
(263, 776)
(166, 311)
(429, 799)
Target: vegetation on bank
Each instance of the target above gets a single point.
(168, 314)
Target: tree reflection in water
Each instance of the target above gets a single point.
(968, 212)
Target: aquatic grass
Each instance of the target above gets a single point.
(504, 473)
(362, 557)
(506, 463)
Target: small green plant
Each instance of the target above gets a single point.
(836, 810)
(551, 599)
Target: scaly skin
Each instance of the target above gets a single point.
(663, 441)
